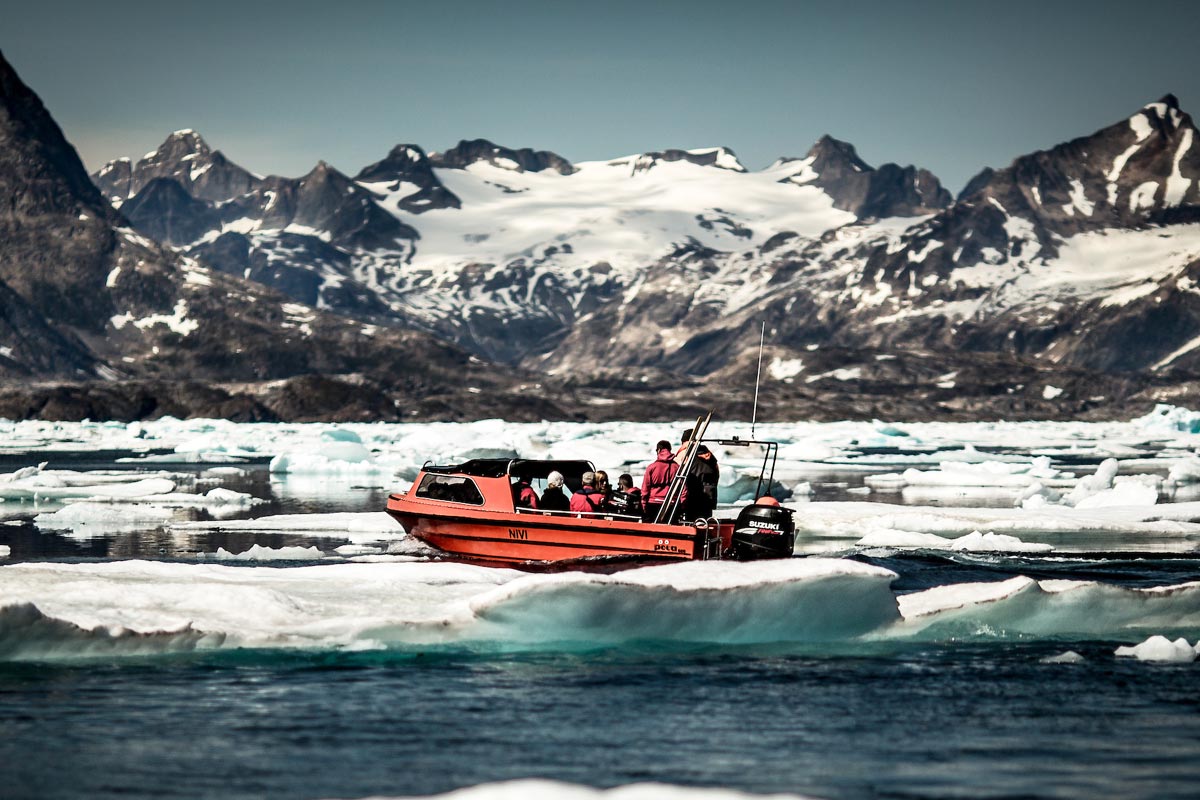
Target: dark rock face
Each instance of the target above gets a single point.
(407, 163)
(716, 157)
(890, 191)
(164, 211)
(324, 201)
(185, 158)
(468, 152)
(1118, 177)
(56, 231)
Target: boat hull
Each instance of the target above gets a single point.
(544, 536)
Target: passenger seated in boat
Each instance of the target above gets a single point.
(603, 486)
(523, 494)
(657, 481)
(553, 498)
(588, 498)
(627, 499)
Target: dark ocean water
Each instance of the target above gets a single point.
(915, 721)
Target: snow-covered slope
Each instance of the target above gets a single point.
(1086, 254)
(505, 250)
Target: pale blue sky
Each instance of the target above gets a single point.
(951, 86)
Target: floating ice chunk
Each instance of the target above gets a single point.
(226, 497)
(1022, 606)
(356, 550)
(540, 789)
(1100, 481)
(375, 524)
(106, 515)
(790, 600)
(5, 551)
(1122, 494)
(1172, 419)
(888, 429)
(997, 543)
(1069, 657)
(340, 453)
(39, 487)
(886, 537)
(975, 542)
(1185, 471)
(1160, 648)
(224, 472)
(259, 553)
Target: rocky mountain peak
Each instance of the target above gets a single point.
(833, 157)
(402, 161)
(1135, 169)
(716, 157)
(178, 146)
(185, 157)
(890, 191)
(468, 152)
(408, 164)
(56, 230)
(31, 139)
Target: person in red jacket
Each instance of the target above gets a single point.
(588, 498)
(523, 494)
(657, 481)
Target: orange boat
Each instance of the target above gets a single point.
(468, 510)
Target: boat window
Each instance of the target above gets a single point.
(451, 489)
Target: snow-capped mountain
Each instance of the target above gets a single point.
(1083, 254)
(505, 250)
(85, 297)
(185, 158)
(1070, 275)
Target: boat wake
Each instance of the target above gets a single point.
(140, 608)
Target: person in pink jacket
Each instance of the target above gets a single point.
(657, 481)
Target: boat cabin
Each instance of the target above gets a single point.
(488, 482)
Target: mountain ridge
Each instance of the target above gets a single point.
(640, 282)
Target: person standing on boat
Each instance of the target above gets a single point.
(553, 498)
(702, 479)
(588, 498)
(657, 481)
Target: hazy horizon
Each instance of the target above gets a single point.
(278, 86)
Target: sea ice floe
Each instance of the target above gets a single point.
(1160, 648)
(975, 541)
(372, 523)
(55, 609)
(258, 552)
(539, 789)
(339, 452)
(106, 515)
(38, 483)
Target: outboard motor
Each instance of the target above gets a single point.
(763, 531)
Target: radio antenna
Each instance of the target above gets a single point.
(754, 414)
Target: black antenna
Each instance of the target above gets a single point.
(754, 415)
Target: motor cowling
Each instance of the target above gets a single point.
(763, 531)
